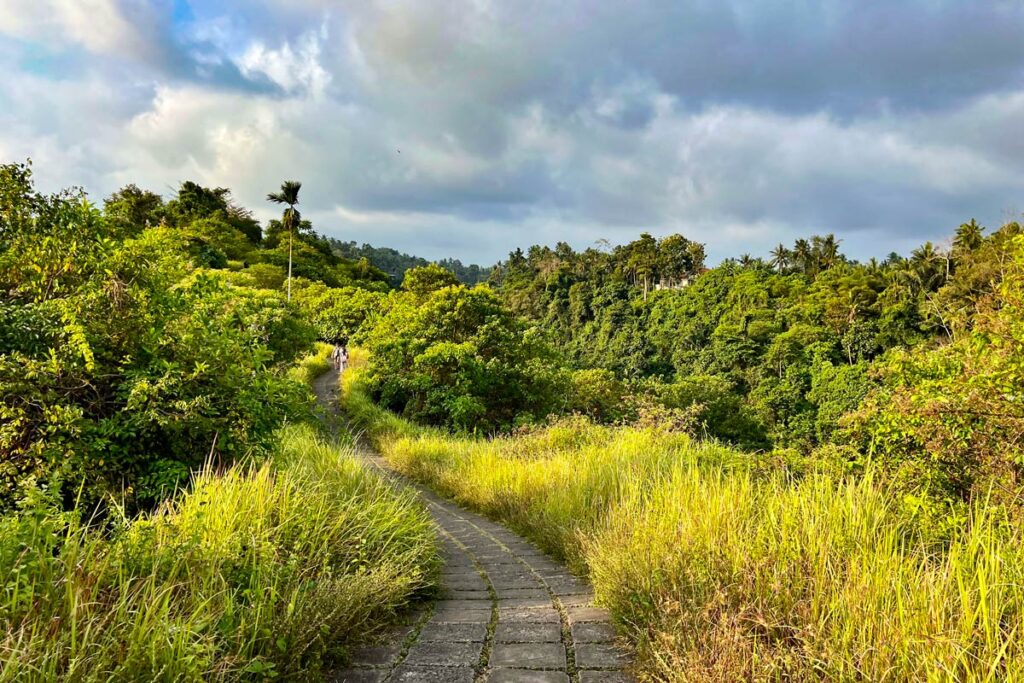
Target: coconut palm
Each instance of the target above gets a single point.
(829, 251)
(926, 261)
(969, 236)
(289, 195)
(780, 258)
(802, 254)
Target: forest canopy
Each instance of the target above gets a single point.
(143, 336)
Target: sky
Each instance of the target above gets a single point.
(466, 128)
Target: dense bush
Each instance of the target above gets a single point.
(950, 419)
(256, 573)
(458, 357)
(121, 364)
(337, 313)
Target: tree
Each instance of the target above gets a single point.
(289, 195)
(927, 262)
(642, 260)
(133, 209)
(827, 251)
(460, 358)
(426, 279)
(969, 236)
(675, 258)
(802, 255)
(122, 365)
(780, 258)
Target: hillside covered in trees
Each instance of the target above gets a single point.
(396, 263)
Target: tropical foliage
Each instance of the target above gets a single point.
(139, 340)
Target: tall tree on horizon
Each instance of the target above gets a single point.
(802, 255)
(289, 195)
(969, 236)
(780, 258)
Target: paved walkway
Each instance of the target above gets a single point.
(508, 613)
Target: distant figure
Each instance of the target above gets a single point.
(344, 358)
(336, 356)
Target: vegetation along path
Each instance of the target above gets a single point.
(507, 613)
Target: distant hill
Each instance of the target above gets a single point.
(395, 263)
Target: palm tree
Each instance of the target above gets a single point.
(968, 236)
(802, 254)
(780, 258)
(829, 246)
(289, 195)
(925, 260)
(904, 280)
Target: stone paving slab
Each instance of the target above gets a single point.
(596, 632)
(527, 632)
(449, 605)
(381, 655)
(586, 614)
(454, 633)
(524, 603)
(522, 594)
(528, 655)
(447, 654)
(581, 600)
(535, 616)
(599, 656)
(456, 594)
(604, 677)
(432, 674)
(504, 675)
(466, 616)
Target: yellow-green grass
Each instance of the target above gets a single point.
(313, 365)
(257, 571)
(719, 571)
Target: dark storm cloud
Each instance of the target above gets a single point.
(847, 56)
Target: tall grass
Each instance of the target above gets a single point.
(258, 571)
(313, 365)
(720, 571)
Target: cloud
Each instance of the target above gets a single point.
(470, 127)
(124, 28)
(291, 69)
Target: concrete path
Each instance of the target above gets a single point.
(508, 613)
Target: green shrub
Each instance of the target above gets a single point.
(457, 357)
(597, 394)
(948, 420)
(120, 361)
(337, 312)
(312, 366)
(722, 412)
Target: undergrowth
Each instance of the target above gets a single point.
(258, 571)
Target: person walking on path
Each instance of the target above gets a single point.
(336, 356)
(343, 359)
